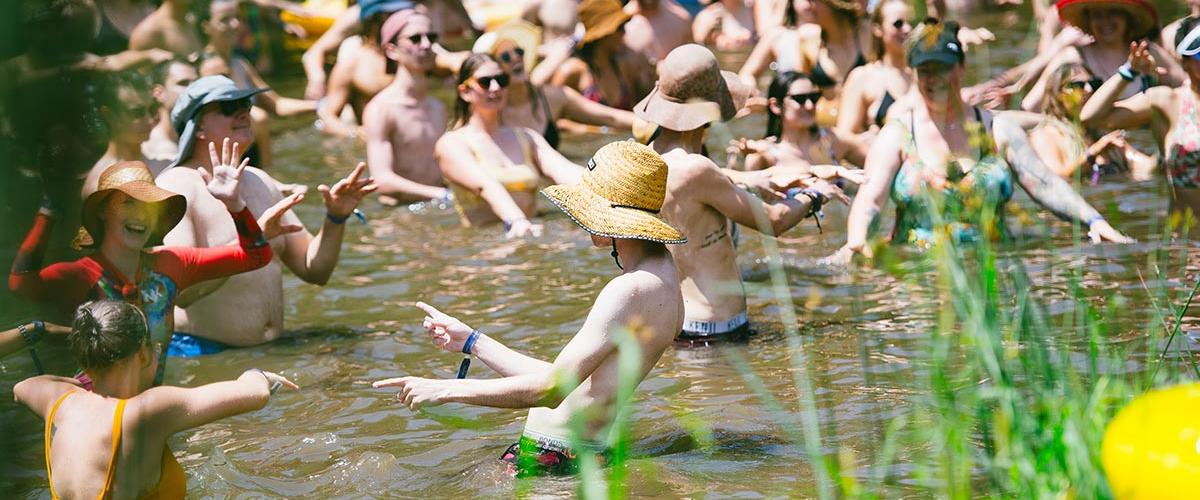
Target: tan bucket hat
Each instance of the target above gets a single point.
(692, 91)
(134, 179)
(518, 33)
(620, 195)
(600, 18)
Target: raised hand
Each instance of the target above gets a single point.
(344, 196)
(1071, 36)
(417, 392)
(271, 220)
(446, 331)
(1142, 60)
(224, 182)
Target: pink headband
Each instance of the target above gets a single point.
(395, 24)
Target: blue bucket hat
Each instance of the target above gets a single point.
(203, 91)
(369, 8)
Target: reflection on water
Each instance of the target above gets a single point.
(697, 427)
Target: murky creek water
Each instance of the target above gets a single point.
(338, 437)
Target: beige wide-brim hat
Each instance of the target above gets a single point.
(600, 18)
(1142, 14)
(620, 195)
(134, 179)
(518, 33)
(692, 91)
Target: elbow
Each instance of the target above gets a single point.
(1089, 118)
(547, 394)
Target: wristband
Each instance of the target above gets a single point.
(32, 335)
(508, 225)
(470, 343)
(358, 214)
(1127, 72)
(1093, 219)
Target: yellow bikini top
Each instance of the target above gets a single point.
(514, 177)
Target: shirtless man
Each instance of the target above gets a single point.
(403, 123)
(657, 26)
(172, 27)
(213, 111)
(171, 79)
(619, 197)
(702, 199)
(361, 72)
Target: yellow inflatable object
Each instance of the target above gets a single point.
(1151, 448)
(325, 12)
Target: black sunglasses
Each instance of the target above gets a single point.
(803, 99)
(416, 39)
(508, 57)
(230, 108)
(485, 82)
(1079, 84)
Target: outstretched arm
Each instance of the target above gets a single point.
(313, 59)
(173, 409)
(1046, 187)
(583, 110)
(313, 259)
(552, 163)
(882, 163)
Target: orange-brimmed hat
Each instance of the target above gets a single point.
(134, 179)
(1142, 14)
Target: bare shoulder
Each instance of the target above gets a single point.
(181, 180)
(639, 289)
(689, 166)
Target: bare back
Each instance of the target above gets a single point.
(708, 261)
(647, 299)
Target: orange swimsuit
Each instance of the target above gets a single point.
(171, 482)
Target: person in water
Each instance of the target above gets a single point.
(617, 202)
(493, 169)
(725, 25)
(361, 72)
(172, 27)
(794, 139)
(943, 158)
(1172, 113)
(170, 80)
(124, 222)
(541, 107)
(871, 91)
(213, 113)
(403, 122)
(1112, 26)
(222, 27)
(702, 200)
(656, 27)
(28, 335)
(779, 48)
(830, 48)
(129, 111)
(112, 442)
(604, 69)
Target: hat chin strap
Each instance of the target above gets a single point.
(615, 255)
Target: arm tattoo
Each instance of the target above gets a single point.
(1042, 184)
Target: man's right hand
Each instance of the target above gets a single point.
(271, 220)
(446, 331)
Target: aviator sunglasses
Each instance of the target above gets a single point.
(508, 56)
(485, 82)
(803, 99)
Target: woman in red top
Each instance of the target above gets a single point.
(124, 221)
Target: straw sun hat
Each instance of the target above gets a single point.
(692, 91)
(620, 195)
(135, 180)
(1142, 14)
(600, 18)
(519, 33)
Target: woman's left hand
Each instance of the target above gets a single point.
(224, 182)
(344, 196)
(1100, 231)
(416, 392)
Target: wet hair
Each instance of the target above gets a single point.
(778, 90)
(110, 86)
(877, 21)
(462, 110)
(791, 18)
(105, 332)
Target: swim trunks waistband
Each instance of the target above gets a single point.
(541, 454)
(185, 345)
(700, 329)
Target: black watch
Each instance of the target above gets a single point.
(32, 335)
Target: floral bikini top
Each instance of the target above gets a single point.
(967, 205)
(1183, 159)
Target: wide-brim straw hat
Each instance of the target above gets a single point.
(519, 33)
(692, 91)
(134, 179)
(600, 18)
(620, 195)
(1142, 14)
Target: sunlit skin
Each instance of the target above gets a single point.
(162, 143)
(865, 87)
